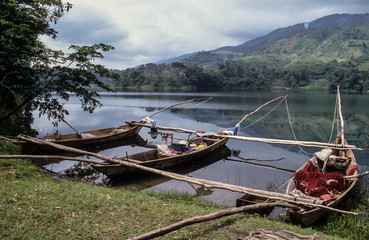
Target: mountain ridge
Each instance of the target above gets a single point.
(247, 48)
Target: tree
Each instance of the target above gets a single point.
(30, 72)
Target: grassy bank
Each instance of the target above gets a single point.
(35, 205)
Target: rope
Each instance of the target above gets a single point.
(284, 184)
(334, 119)
(293, 132)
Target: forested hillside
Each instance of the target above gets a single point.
(321, 54)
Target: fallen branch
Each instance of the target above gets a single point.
(311, 202)
(204, 218)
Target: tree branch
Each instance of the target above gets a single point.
(204, 218)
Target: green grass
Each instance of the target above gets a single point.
(34, 205)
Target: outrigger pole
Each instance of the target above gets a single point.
(255, 139)
(192, 100)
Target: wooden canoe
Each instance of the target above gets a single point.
(307, 216)
(87, 139)
(150, 158)
(250, 199)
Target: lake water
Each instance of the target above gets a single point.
(311, 113)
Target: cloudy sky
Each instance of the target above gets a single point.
(144, 31)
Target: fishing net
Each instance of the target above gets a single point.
(315, 184)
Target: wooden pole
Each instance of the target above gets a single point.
(312, 202)
(78, 133)
(49, 157)
(204, 218)
(254, 139)
(356, 176)
(182, 130)
(292, 142)
(188, 101)
(261, 165)
(342, 131)
(249, 114)
(9, 139)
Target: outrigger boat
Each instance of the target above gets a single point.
(329, 175)
(84, 139)
(165, 157)
(95, 137)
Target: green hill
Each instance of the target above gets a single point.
(321, 54)
(322, 44)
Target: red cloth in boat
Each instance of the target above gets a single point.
(315, 184)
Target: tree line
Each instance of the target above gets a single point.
(240, 75)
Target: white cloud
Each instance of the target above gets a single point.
(147, 31)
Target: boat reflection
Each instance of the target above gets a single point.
(83, 170)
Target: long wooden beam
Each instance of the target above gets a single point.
(53, 157)
(292, 142)
(255, 139)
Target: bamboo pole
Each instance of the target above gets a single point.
(188, 101)
(254, 139)
(206, 183)
(249, 114)
(208, 217)
(292, 142)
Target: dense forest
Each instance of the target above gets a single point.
(320, 57)
(237, 75)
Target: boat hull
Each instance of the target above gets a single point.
(250, 199)
(308, 215)
(149, 159)
(98, 137)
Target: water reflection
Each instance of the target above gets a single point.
(311, 115)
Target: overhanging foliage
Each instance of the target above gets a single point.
(31, 73)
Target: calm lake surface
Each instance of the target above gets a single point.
(221, 113)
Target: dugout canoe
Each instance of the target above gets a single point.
(152, 158)
(86, 139)
(333, 162)
(329, 176)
